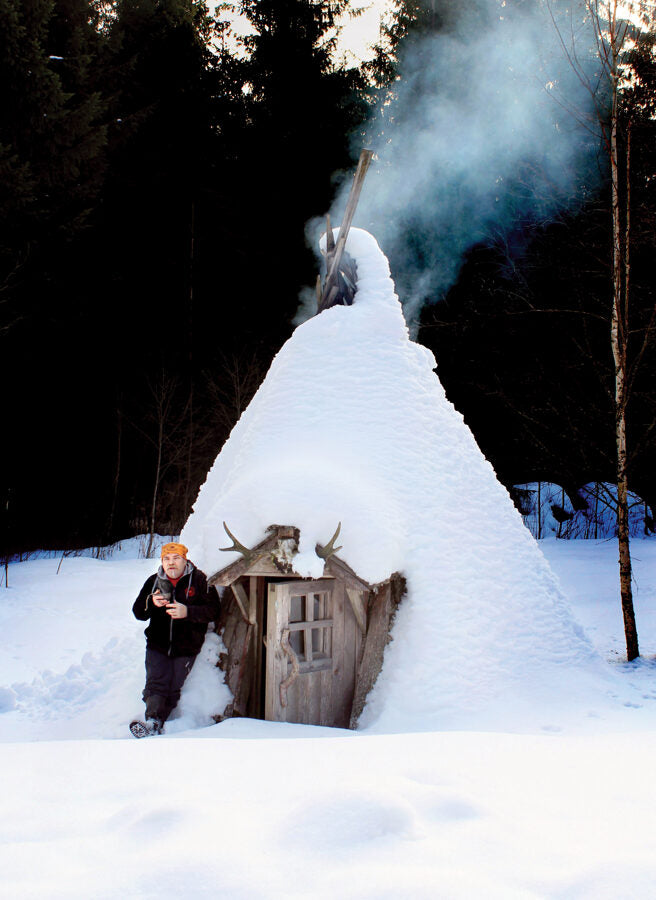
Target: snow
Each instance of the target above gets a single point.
(351, 425)
(48, 687)
(248, 810)
(507, 750)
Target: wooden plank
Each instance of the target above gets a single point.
(241, 598)
(315, 684)
(225, 601)
(277, 618)
(339, 569)
(293, 670)
(244, 674)
(232, 572)
(326, 715)
(354, 196)
(374, 645)
(330, 237)
(359, 647)
(326, 698)
(340, 685)
(357, 604)
(351, 636)
(233, 615)
(301, 626)
(239, 567)
(237, 673)
(379, 619)
(301, 696)
(309, 617)
(266, 566)
(317, 665)
(256, 646)
(252, 600)
(303, 688)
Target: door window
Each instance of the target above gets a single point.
(311, 630)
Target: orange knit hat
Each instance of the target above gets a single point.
(180, 549)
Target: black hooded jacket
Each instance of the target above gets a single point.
(178, 637)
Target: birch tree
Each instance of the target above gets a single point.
(616, 28)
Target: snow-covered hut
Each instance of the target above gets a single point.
(351, 426)
(301, 649)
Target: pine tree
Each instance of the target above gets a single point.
(155, 68)
(51, 143)
(303, 106)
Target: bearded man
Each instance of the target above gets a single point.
(178, 605)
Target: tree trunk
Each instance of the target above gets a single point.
(190, 342)
(158, 475)
(117, 470)
(619, 334)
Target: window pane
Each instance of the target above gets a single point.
(321, 642)
(297, 643)
(296, 610)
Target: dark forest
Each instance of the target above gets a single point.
(158, 173)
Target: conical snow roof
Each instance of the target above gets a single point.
(351, 425)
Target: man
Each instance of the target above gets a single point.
(178, 605)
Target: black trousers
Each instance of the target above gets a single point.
(165, 676)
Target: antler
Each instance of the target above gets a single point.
(247, 553)
(329, 549)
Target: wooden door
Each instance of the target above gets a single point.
(313, 649)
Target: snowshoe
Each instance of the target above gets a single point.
(141, 729)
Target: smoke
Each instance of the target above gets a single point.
(490, 132)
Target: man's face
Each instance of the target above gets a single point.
(173, 564)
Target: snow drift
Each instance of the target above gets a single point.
(352, 425)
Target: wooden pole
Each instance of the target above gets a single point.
(354, 196)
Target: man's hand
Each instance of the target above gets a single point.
(177, 610)
(159, 599)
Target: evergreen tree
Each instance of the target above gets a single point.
(51, 141)
(52, 138)
(303, 106)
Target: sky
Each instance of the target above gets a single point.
(358, 34)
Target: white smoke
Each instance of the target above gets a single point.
(490, 131)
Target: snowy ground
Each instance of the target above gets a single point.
(260, 810)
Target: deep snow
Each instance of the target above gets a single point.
(261, 810)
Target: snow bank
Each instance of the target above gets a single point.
(352, 425)
(73, 665)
